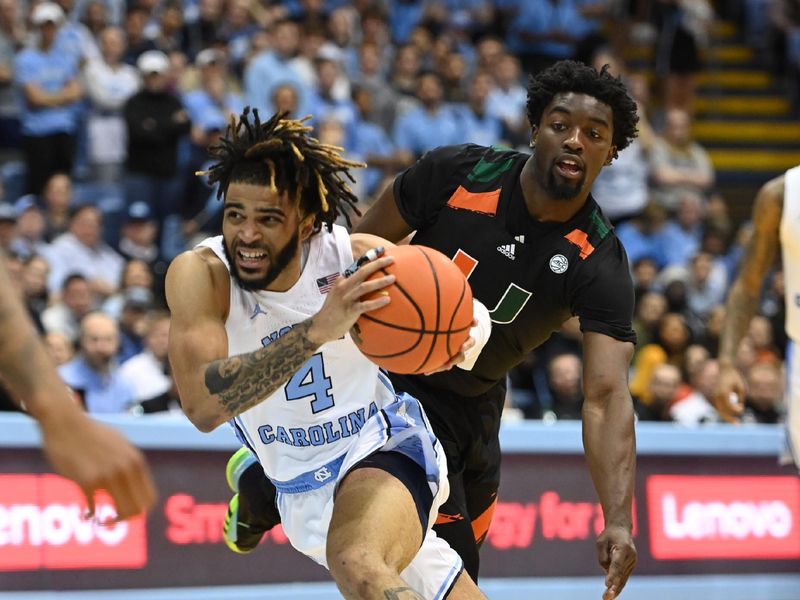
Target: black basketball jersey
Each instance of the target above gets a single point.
(466, 201)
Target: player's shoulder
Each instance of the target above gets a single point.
(768, 204)
(772, 191)
(463, 154)
(593, 226)
(197, 271)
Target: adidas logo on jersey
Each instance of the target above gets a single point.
(507, 249)
(520, 238)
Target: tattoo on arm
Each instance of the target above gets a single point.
(241, 382)
(401, 593)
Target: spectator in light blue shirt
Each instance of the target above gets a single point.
(370, 142)
(94, 373)
(508, 98)
(430, 124)
(683, 235)
(403, 17)
(546, 31)
(272, 68)
(477, 124)
(81, 250)
(47, 81)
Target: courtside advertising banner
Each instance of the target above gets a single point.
(693, 515)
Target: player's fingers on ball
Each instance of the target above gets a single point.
(368, 287)
(373, 304)
(369, 268)
(468, 345)
(375, 284)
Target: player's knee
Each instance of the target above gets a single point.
(355, 567)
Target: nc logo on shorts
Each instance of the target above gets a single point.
(558, 263)
(322, 474)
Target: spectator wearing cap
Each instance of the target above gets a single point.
(209, 63)
(48, 81)
(8, 226)
(94, 374)
(82, 250)
(136, 301)
(214, 100)
(29, 240)
(138, 236)
(109, 83)
(272, 67)
(74, 302)
(156, 122)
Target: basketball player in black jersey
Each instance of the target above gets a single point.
(537, 250)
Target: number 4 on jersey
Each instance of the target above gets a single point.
(510, 304)
(311, 381)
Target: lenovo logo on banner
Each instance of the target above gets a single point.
(724, 517)
(42, 527)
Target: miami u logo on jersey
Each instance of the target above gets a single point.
(513, 299)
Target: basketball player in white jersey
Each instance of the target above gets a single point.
(259, 337)
(776, 222)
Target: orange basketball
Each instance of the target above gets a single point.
(428, 319)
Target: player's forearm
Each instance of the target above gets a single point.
(238, 383)
(609, 442)
(28, 371)
(739, 310)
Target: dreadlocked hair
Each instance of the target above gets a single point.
(281, 155)
(571, 76)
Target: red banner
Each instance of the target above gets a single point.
(723, 517)
(42, 526)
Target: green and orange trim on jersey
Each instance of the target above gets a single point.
(587, 242)
(482, 198)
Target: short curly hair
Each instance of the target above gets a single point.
(280, 153)
(571, 76)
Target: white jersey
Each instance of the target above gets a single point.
(790, 245)
(314, 417)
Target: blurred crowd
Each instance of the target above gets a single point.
(107, 108)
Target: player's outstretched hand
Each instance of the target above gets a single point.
(344, 303)
(96, 457)
(617, 555)
(729, 394)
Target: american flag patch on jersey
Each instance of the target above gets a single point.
(326, 283)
